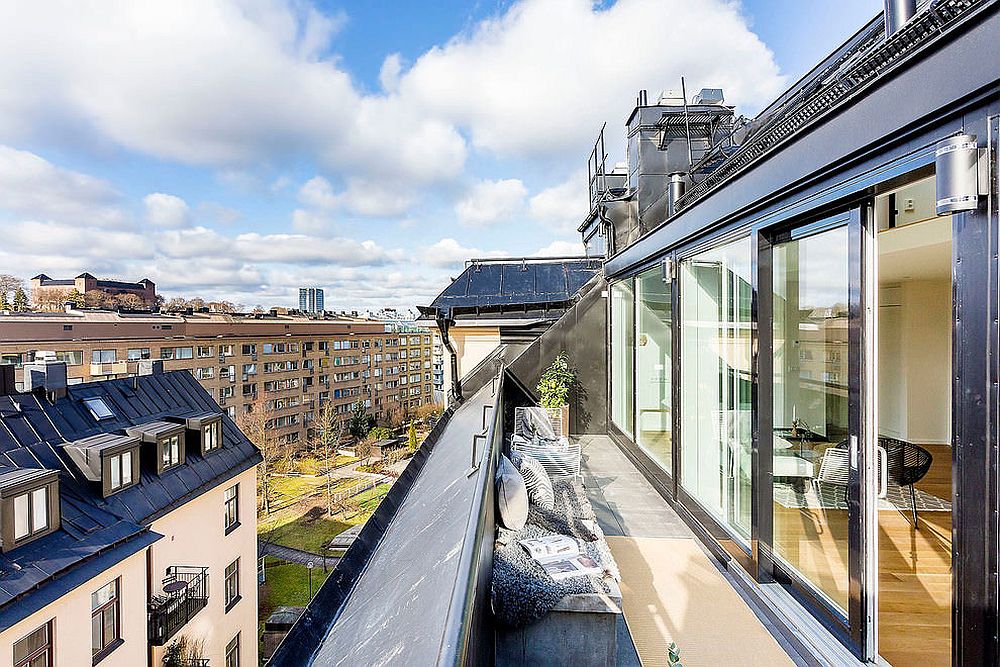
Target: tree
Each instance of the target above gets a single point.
(196, 303)
(553, 388)
(360, 422)
(130, 301)
(20, 300)
(49, 299)
(411, 437)
(176, 304)
(328, 433)
(183, 652)
(8, 285)
(256, 424)
(75, 297)
(95, 298)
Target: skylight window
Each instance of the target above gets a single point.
(98, 408)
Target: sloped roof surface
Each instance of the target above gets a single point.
(516, 283)
(33, 433)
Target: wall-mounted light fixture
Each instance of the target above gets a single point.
(961, 174)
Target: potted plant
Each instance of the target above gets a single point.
(553, 391)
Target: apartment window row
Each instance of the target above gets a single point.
(280, 366)
(281, 385)
(280, 348)
(176, 353)
(285, 420)
(281, 403)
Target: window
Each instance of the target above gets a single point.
(166, 353)
(185, 353)
(67, 327)
(250, 348)
(233, 652)
(170, 451)
(121, 471)
(103, 356)
(225, 350)
(226, 392)
(137, 353)
(35, 650)
(204, 351)
(653, 412)
(232, 584)
(622, 344)
(98, 408)
(249, 369)
(104, 620)
(205, 373)
(70, 357)
(210, 437)
(232, 497)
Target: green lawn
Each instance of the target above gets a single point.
(287, 584)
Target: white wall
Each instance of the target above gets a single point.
(194, 535)
(915, 361)
(71, 616)
(471, 345)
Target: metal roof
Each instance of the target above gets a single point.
(97, 532)
(522, 282)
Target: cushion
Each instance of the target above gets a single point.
(537, 482)
(512, 496)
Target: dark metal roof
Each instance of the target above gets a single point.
(390, 598)
(97, 532)
(496, 284)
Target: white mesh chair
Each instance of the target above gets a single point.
(535, 437)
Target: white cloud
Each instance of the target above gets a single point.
(163, 210)
(362, 197)
(388, 74)
(563, 206)
(561, 249)
(32, 186)
(490, 202)
(540, 79)
(449, 253)
(307, 222)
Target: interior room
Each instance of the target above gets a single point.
(914, 426)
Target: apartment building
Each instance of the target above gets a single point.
(292, 363)
(132, 503)
(311, 300)
(48, 290)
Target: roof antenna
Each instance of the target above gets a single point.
(687, 124)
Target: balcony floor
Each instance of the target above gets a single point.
(672, 589)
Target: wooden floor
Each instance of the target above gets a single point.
(914, 568)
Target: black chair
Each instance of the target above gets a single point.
(907, 464)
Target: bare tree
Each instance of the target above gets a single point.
(8, 285)
(95, 298)
(256, 424)
(329, 430)
(176, 304)
(130, 301)
(49, 299)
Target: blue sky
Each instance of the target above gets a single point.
(239, 148)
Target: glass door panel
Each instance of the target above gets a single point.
(622, 348)
(812, 446)
(654, 337)
(715, 297)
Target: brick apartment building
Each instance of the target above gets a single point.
(51, 290)
(291, 362)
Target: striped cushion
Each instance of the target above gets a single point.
(537, 482)
(558, 459)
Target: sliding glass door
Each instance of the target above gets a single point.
(813, 445)
(622, 349)
(653, 355)
(715, 329)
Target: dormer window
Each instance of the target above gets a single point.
(110, 459)
(210, 439)
(164, 443)
(170, 452)
(29, 505)
(204, 431)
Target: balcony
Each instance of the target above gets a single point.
(185, 593)
(112, 368)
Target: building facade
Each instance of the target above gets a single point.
(311, 300)
(132, 503)
(293, 364)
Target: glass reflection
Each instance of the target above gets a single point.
(652, 366)
(622, 343)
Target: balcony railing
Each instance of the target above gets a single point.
(185, 593)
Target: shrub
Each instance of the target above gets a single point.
(380, 433)
(553, 388)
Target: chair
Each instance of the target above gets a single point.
(906, 464)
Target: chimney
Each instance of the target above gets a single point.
(46, 374)
(7, 384)
(897, 14)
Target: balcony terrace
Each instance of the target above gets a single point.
(185, 593)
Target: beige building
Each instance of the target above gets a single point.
(131, 502)
(51, 292)
(292, 363)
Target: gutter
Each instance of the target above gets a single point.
(444, 322)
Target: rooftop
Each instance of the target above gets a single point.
(96, 532)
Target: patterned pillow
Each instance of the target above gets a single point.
(537, 482)
(512, 496)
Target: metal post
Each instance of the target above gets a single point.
(687, 124)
